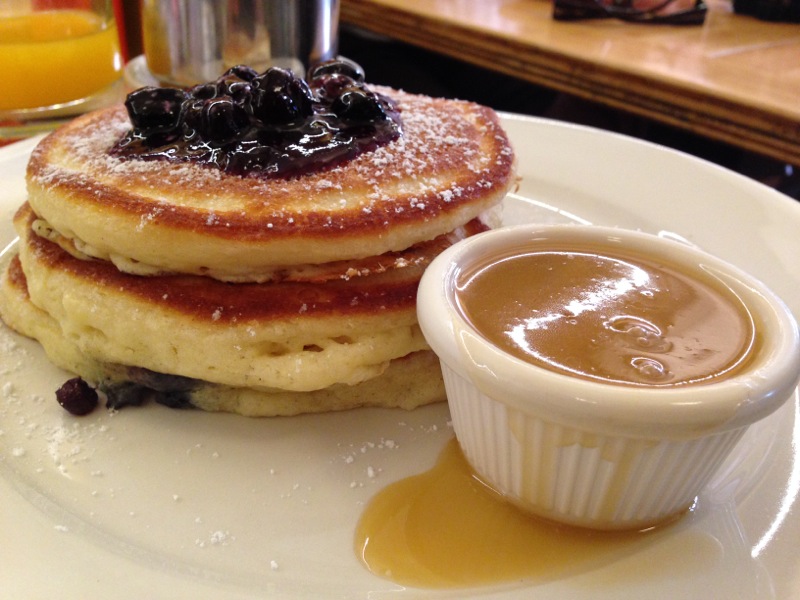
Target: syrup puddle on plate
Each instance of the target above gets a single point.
(446, 529)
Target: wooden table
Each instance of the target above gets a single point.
(734, 79)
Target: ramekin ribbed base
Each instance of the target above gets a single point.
(578, 477)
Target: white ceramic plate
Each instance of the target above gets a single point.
(157, 503)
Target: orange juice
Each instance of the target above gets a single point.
(52, 57)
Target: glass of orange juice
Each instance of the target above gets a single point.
(57, 58)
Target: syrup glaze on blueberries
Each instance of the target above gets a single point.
(272, 124)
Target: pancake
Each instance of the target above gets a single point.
(407, 382)
(255, 261)
(417, 255)
(452, 163)
(291, 336)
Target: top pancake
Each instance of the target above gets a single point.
(452, 163)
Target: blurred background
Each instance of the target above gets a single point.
(415, 69)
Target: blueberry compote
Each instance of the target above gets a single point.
(272, 124)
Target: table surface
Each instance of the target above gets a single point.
(734, 79)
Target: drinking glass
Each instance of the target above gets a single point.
(57, 58)
(192, 41)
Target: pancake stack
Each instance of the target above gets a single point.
(247, 293)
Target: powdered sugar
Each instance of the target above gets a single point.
(173, 484)
(434, 139)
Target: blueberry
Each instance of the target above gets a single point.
(155, 110)
(126, 394)
(162, 382)
(280, 98)
(238, 89)
(337, 66)
(243, 72)
(174, 399)
(329, 87)
(357, 106)
(193, 115)
(204, 91)
(77, 397)
(223, 119)
(143, 385)
(255, 159)
(274, 78)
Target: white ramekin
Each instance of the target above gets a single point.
(587, 453)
